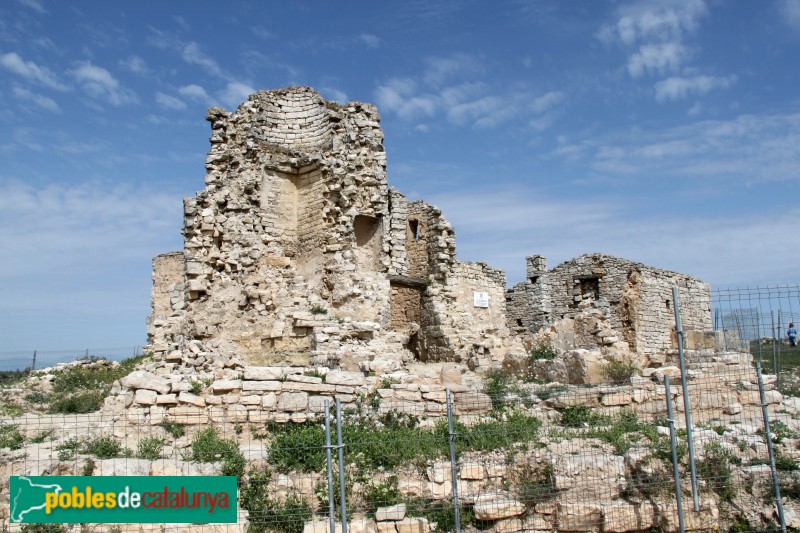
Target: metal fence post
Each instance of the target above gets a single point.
(722, 320)
(774, 346)
(768, 435)
(453, 469)
(340, 446)
(686, 410)
(780, 341)
(331, 504)
(33, 365)
(675, 471)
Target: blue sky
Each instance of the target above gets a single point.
(664, 131)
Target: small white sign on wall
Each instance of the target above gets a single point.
(480, 299)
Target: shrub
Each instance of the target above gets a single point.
(498, 386)
(103, 448)
(11, 409)
(715, 468)
(542, 349)
(68, 449)
(534, 484)
(619, 371)
(11, 438)
(88, 467)
(318, 310)
(78, 403)
(209, 447)
(174, 429)
(150, 448)
(268, 514)
(382, 494)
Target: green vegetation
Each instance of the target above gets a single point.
(81, 389)
(542, 349)
(12, 377)
(150, 448)
(209, 447)
(318, 310)
(372, 443)
(199, 385)
(619, 371)
(10, 409)
(267, 513)
(622, 431)
(534, 484)
(174, 429)
(715, 469)
(10, 437)
(103, 448)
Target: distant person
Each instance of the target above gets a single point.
(792, 334)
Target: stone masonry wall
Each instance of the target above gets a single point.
(639, 298)
(292, 250)
(167, 302)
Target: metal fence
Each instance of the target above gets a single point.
(530, 457)
(756, 320)
(14, 361)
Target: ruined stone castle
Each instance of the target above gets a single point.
(297, 252)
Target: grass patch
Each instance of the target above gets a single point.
(392, 441)
(12, 377)
(11, 409)
(534, 484)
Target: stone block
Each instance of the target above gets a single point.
(293, 401)
(393, 513)
(187, 414)
(470, 470)
(340, 377)
(167, 399)
(191, 399)
(226, 385)
(413, 525)
(495, 506)
(257, 386)
(145, 397)
(264, 373)
(580, 517)
(139, 379)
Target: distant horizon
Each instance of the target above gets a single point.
(660, 131)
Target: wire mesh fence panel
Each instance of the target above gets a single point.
(756, 320)
(527, 456)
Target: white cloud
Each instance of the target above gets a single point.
(170, 102)
(439, 69)
(194, 92)
(235, 93)
(791, 12)
(36, 5)
(654, 20)
(135, 64)
(30, 71)
(372, 41)
(660, 58)
(36, 99)
(677, 87)
(547, 101)
(192, 54)
(517, 221)
(99, 83)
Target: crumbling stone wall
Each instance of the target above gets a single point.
(167, 303)
(297, 251)
(639, 298)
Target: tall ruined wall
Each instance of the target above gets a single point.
(291, 220)
(639, 298)
(297, 252)
(167, 301)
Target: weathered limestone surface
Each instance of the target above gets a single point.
(298, 253)
(636, 300)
